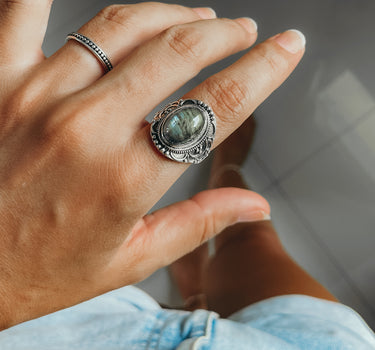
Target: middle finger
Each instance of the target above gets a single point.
(152, 72)
(117, 29)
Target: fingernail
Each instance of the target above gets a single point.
(254, 216)
(248, 23)
(205, 12)
(292, 40)
(267, 217)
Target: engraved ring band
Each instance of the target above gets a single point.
(95, 49)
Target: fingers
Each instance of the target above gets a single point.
(171, 232)
(233, 94)
(237, 91)
(117, 30)
(23, 25)
(152, 72)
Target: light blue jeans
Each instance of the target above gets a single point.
(129, 319)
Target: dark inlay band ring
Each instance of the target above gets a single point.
(184, 131)
(95, 49)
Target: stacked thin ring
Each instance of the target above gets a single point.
(95, 49)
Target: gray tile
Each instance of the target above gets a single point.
(294, 126)
(335, 192)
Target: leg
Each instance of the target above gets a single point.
(250, 263)
(187, 273)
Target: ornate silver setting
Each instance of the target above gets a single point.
(193, 150)
(95, 49)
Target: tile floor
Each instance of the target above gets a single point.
(314, 154)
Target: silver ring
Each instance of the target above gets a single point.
(184, 131)
(95, 49)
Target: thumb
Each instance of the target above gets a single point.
(162, 237)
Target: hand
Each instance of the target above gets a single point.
(78, 171)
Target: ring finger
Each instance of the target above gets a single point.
(117, 30)
(233, 94)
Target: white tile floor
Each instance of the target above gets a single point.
(314, 155)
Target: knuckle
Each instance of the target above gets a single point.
(275, 63)
(12, 4)
(20, 4)
(231, 24)
(229, 97)
(118, 14)
(185, 41)
(181, 8)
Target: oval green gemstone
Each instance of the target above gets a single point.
(183, 125)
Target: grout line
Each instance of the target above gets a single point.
(331, 141)
(264, 168)
(326, 249)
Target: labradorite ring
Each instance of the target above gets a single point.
(184, 131)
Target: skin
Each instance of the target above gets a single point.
(78, 171)
(250, 264)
